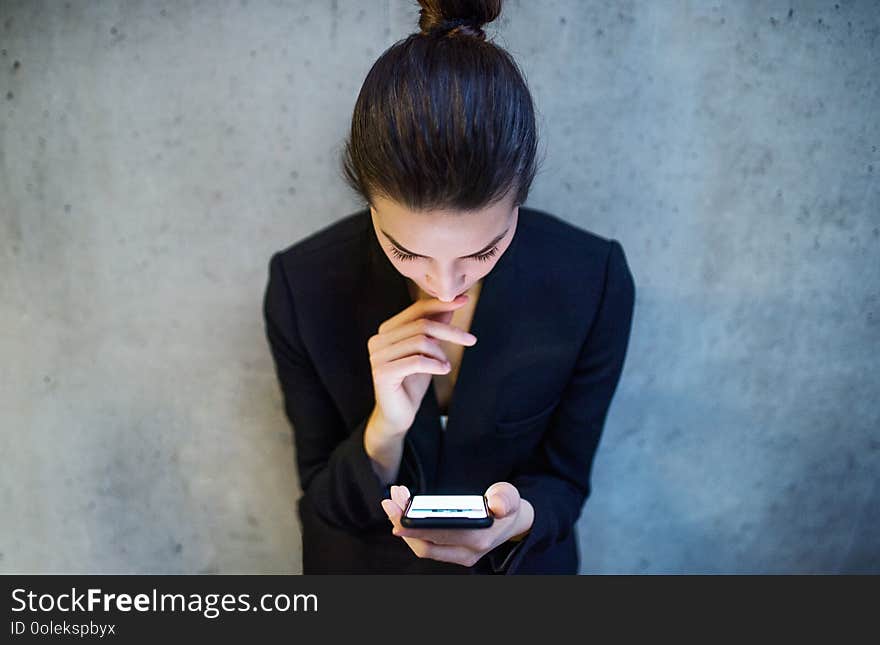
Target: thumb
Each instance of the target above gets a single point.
(503, 499)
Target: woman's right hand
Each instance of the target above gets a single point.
(405, 354)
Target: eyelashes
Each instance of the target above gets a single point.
(485, 257)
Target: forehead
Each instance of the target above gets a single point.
(441, 233)
(392, 215)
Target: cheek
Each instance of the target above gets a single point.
(408, 269)
(481, 269)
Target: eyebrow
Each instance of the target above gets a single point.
(464, 257)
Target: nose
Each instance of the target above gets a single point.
(450, 290)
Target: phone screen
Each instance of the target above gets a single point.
(463, 506)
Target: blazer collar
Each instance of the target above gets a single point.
(385, 293)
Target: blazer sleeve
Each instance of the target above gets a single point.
(335, 471)
(556, 478)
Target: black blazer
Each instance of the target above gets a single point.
(529, 405)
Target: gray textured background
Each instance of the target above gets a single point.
(154, 154)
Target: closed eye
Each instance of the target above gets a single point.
(483, 257)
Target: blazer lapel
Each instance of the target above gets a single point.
(472, 407)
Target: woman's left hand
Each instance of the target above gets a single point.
(513, 517)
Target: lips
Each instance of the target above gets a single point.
(436, 296)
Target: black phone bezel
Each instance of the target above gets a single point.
(446, 522)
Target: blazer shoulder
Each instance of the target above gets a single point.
(342, 239)
(562, 241)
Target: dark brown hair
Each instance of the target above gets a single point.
(444, 119)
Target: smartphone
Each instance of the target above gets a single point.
(447, 512)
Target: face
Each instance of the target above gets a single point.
(444, 253)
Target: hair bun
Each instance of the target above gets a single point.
(461, 25)
(449, 17)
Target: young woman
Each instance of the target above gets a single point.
(446, 339)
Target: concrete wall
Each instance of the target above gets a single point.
(154, 154)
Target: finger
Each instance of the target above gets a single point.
(419, 309)
(400, 495)
(418, 344)
(453, 554)
(434, 328)
(473, 539)
(393, 511)
(396, 371)
(503, 499)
